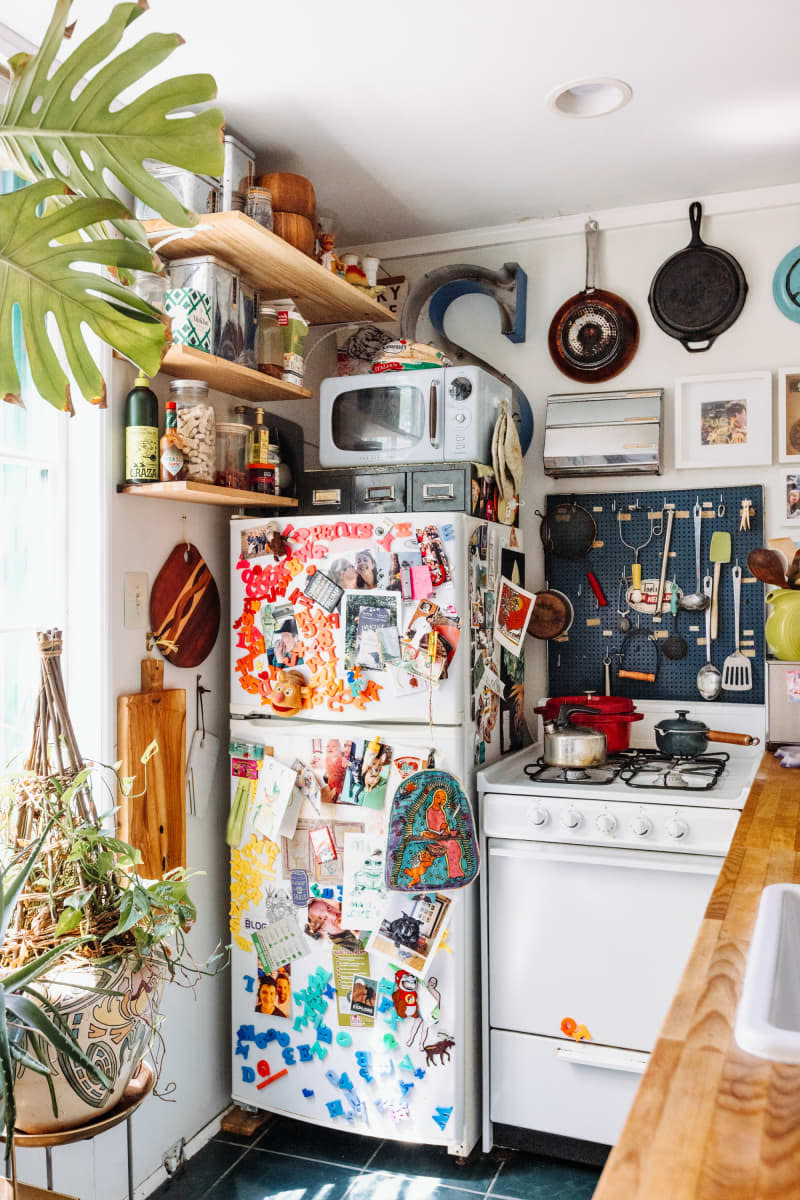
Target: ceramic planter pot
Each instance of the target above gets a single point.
(783, 624)
(114, 1031)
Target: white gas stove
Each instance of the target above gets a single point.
(593, 888)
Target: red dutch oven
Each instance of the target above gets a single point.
(614, 716)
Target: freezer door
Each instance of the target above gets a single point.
(333, 598)
(299, 1048)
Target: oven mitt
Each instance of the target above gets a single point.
(511, 455)
(431, 844)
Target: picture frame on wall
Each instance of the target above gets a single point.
(723, 420)
(789, 415)
(791, 515)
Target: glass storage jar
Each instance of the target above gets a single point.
(259, 206)
(196, 426)
(269, 342)
(232, 439)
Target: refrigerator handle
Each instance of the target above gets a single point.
(433, 414)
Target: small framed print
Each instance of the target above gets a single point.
(792, 511)
(789, 415)
(723, 420)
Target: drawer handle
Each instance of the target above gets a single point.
(438, 491)
(376, 494)
(326, 496)
(605, 1057)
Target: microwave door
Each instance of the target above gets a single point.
(380, 419)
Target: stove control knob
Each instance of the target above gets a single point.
(641, 825)
(539, 815)
(606, 822)
(571, 819)
(676, 828)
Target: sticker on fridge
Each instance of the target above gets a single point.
(353, 1001)
(365, 615)
(411, 929)
(434, 555)
(363, 890)
(514, 609)
(274, 993)
(324, 921)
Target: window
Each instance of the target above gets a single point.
(33, 546)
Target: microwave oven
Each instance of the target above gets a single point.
(437, 414)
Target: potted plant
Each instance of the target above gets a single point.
(108, 939)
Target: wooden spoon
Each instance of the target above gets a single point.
(793, 574)
(767, 566)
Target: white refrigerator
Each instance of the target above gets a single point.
(362, 650)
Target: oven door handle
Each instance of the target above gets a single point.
(675, 862)
(606, 1057)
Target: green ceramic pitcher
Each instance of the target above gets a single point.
(783, 624)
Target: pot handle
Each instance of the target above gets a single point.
(696, 347)
(646, 676)
(736, 739)
(566, 711)
(695, 217)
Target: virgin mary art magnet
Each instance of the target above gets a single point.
(432, 844)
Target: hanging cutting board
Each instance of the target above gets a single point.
(184, 608)
(153, 817)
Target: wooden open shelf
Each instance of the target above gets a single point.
(185, 362)
(271, 265)
(206, 493)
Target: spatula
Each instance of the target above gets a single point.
(719, 553)
(737, 672)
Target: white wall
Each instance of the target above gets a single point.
(762, 339)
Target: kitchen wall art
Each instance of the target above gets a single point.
(789, 415)
(723, 420)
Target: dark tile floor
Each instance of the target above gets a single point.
(294, 1161)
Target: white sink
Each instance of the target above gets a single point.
(768, 1017)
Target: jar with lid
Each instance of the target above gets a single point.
(259, 206)
(243, 416)
(231, 438)
(196, 425)
(269, 342)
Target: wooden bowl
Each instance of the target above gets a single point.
(296, 230)
(291, 193)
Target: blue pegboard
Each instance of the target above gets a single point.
(575, 662)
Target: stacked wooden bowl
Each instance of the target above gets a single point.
(294, 208)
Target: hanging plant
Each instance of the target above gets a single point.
(59, 128)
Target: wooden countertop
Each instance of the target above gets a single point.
(709, 1121)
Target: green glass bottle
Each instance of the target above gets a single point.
(141, 433)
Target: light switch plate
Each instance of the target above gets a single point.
(136, 607)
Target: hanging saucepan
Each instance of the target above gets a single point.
(699, 292)
(594, 334)
(679, 737)
(786, 284)
(567, 529)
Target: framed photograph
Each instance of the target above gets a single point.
(723, 420)
(789, 415)
(791, 514)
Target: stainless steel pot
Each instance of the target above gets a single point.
(567, 745)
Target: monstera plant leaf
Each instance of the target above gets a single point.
(71, 126)
(41, 275)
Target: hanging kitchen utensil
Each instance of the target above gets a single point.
(709, 677)
(696, 601)
(594, 334)
(786, 284)
(552, 615)
(675, 647)
(737, 671)
(665, 558)
(623, 618)
(567, 530)
(636, 568)
(635, 636)
(201, 765)
(596, 586)
(647, 594)
(184, 608)
(719, 552)
(767, 566)
(699, 292)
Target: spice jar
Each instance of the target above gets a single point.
(231, 438)
(261, 478)
(196, 422)
(259, 206)
(269, 342)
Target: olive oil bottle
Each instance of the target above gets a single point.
(141, 433)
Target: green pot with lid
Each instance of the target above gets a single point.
(783, 624)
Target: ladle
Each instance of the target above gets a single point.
(696, 601)
(709, 677)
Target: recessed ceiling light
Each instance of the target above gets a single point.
(589, 97)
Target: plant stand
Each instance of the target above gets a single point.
(139, 1088)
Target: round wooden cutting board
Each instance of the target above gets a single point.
(184, 608)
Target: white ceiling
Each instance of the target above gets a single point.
(430, 116)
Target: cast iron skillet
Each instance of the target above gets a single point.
(594, 334)
(699, 292)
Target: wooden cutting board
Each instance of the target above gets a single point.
(184, 607)
(154, 822)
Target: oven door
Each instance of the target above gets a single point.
(601, 935)
(396, 417)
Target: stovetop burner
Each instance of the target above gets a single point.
(638, 769)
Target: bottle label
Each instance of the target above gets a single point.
(172, 460)
(141, 454)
